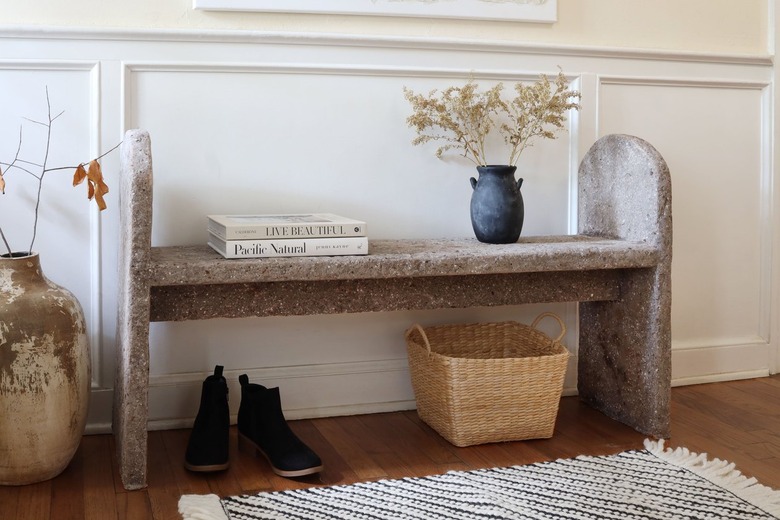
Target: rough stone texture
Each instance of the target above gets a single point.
(191, 302)
(195, 265)
(625, 345)
(624, 201)
(131, 386)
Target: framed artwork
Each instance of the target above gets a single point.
(543, 11)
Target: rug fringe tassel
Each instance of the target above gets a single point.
(201, 507)
(721, 473)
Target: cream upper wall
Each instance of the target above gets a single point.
(720, 26)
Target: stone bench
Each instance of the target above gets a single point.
(618, 267)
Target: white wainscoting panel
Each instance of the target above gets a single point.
(68, 231)
(722, 240)
(251, 122)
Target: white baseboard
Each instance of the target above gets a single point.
(339, 389)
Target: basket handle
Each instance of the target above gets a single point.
(557, 318)
(417, 327)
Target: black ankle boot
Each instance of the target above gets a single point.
(208, 447)
(262, 428)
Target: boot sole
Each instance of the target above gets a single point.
(245, 443)
(205, 469)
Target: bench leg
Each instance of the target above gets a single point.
(625, 353)
(131, 391)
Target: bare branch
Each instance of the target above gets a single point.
(7, 246)
(34, 121)
(29, 162)
(43, 172)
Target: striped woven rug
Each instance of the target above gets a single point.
(655, 483)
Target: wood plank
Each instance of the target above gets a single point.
(99, 493)
(188, 482)
(34, 501)
(67, 493)
(163, 490)
(343, 443)
(413, 459)
(9, 502)
(134, 505)
(248, 476)
(337, 471)
(397, 445)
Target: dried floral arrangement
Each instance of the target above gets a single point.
(463, 117)
(89, 171)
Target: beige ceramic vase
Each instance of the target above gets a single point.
(44, 373)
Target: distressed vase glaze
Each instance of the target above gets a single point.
(497, 208)
(44, 373)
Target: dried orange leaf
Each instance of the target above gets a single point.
(2, 182)
(94, 174)
(102, 187)
(100, 202)
(97, 188)
(79, 175)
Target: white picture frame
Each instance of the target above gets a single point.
(540, 11)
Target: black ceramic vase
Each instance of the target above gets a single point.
(497, 205)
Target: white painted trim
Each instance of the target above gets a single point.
(99, 416)
(41, 65)
(539, 11)
(104, 427)
(659, 81)
(125, 103)
(773, 123)
(698, 344)
(584, 132)
(181, 51)
(301, 413)
(766, 210)
(337, 70)
(719, 378)
(346, 40)
(288, 372)
(94, 319)
(95, 323)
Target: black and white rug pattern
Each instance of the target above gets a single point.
(649, 484)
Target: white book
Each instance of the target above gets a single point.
(297, 225)
(269, 248)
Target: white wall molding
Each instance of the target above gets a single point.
(765, 178)
(703, 82)
(49, 65)
(539, 11)
(772, 124)
(95, 318)
(756, 341)
(148, 83)
(167, 388)
(93, 313)
(719, 363)
(338, 70)
(397, 42)
(283, 373)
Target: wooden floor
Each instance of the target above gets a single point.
(737, 421)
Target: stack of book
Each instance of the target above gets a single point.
(302, 234)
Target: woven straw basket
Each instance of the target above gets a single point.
(487, 382)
